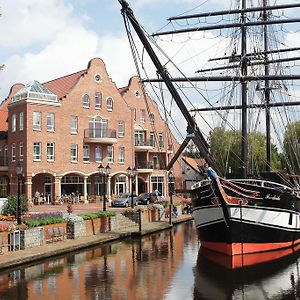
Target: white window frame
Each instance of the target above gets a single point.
(86, 153)
(13, 123)
(121, 155)
(50, 122)
(110, 154)
(152, 139)
(109, 104)
(5, 158)
(21, 151)
(37, 120)
(121, 128)
(98, 153)
(143, 116)
(74, 153)
(86, 101)
(152, 118)
(50, 154)
(21, 121)
(37, 155)
(74, 121)
(13, 152)
(98, 100)
(161, 140)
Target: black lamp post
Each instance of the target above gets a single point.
(104, 173)
(171, 193)
(19, 171)
(131, 174)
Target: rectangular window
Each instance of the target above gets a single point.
(50, 121)
(110, 154)
(74, 152)
(161, 140)
(98, 154)
(21, 121)
(98, 100)
(121, 155)
(152, 139)
(143, 115)
(21, 151)
(86, 153)
(13, 123)
(36, 151)
(13, 152)
(74, 124)
(5, 155)
(37, 120)
(50, 151)
(121, 128)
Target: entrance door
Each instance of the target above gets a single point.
(141, 186)
(48, 192)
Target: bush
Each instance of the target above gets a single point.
(42, 222)
(99, 214)
(10, 206)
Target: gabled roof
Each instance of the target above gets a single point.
(194, 163)
(63, 85)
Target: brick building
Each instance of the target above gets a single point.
(61, 130)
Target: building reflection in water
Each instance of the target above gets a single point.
(132, 269)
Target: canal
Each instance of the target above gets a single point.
(165, 265)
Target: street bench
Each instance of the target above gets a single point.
(55, 234)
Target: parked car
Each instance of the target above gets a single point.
(147, 198)
(124, 200)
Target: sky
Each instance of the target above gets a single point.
(43, 40)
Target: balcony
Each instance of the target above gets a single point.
(143, 145)
(100, 136)
(3, 164)
(144, 166)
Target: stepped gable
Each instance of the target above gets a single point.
(63, 85)
(3, 107)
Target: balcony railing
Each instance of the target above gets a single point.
(140, 143)
(149, 165)
(100, 133)
(3, 161)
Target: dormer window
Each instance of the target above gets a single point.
(86, 101)
(109, 104)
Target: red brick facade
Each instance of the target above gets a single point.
(125, 121)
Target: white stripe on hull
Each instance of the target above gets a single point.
(260, 216)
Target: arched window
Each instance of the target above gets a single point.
(86, 100)
(109, 104)
(151, 118)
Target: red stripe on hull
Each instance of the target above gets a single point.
(246, 248)
(246, 260)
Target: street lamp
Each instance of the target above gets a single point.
(171, 193)
(104, 173)
(19, 171)
(131, 174)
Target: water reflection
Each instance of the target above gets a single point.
(145, 268)
(279, 279)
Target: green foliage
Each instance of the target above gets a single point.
(42, 222)
(99, 214)
(226, 148)
(10, 207)
(291, 145)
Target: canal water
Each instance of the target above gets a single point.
(166, 265)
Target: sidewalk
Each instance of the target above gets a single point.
(13, 259)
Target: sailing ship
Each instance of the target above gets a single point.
(254, 212)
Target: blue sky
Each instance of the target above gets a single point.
(43, 40)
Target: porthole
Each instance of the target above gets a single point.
(98, 78)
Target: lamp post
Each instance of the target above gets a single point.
(104, 173)
(131, 174)
(171, 193)
(19, 171)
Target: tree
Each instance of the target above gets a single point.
(226, 148)
(291, 144)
